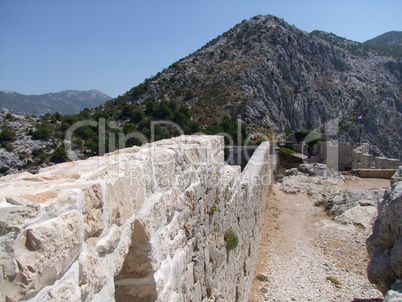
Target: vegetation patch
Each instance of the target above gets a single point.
(334, 281)
(262, 278)
(214, 209)
(285, 152)
(231, 240)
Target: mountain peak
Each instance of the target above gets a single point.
(275, 76)
(6, 91)
(389, 38)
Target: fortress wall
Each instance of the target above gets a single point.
(142, 224)
(375, 173)
(387, 163)
(362, 160)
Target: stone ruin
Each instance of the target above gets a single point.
(140, 224)
(343, 156)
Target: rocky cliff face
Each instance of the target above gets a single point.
(385, 244)
(273, 75)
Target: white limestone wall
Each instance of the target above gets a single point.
(67, 232)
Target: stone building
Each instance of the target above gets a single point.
(344, 157)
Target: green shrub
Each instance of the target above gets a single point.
(4, 170)
(138, 115)
(262, 278)
(7, 134)
(284, 152)
(127, 111)
(59, 155)
(334, 281)
(231, 240)
(214, 209)
(9, 117)
(301, 135)
(42, 132)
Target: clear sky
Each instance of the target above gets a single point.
(54, 45)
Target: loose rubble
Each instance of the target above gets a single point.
(313, 246)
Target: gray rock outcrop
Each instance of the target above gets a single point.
(397, 176)
(395, 293)
(348, 206)
(315, 169)
(385, 244)
(355, 206)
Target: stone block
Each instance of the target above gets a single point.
(93, 210)
(92, 275)
(12, 218)
(44, 251)
(109, 242)
(119, 202)
(64, 289)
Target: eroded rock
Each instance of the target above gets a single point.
(385, 244)
(40, 254)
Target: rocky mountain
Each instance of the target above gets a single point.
(276, 77)
(64, 102)
(389, 38)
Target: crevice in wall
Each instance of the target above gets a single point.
(135, 281)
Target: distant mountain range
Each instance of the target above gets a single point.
(64, 102)
(389, 38)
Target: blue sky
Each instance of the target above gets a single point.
(54, 45)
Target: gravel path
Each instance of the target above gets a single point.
(307, 256)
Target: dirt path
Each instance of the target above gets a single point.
(306, 256)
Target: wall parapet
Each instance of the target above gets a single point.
(102, 228)
(374, 173)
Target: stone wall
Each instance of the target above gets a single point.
(347, 157)
(363, 160)
(138, 224)
(375, 173)
(386, 163)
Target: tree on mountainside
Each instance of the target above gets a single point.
(59, 155)
(7, 135)
(43, 131)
